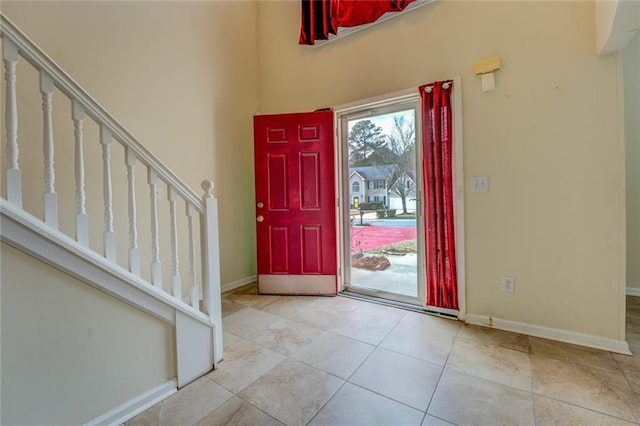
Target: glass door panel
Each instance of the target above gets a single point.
(383, 182)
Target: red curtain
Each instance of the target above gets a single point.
(320, 18)
(317, 21)
(437, 166)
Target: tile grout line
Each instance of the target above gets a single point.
(457, 336)
(326, 372)
(347, 380)
(327, 402)
(626, 379)
(584, 408)
(242, 399)
(533, 396)
(290, 357)
(444, 366)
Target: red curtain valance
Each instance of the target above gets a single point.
(320, 18)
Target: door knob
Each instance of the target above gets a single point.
(260, 218)
(260, 204)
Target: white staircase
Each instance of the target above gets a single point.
(141, 275)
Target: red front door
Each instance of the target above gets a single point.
(295, 203)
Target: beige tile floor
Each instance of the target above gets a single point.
(340, 361)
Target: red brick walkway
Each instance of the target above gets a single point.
(366, 238)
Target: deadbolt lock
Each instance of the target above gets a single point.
(260, 204)
(260, 218)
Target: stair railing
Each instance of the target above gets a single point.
(16, 45)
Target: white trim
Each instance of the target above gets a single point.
(239, 283)
(30, 235)
(376, 101)
(342, 195)
(137, 405)
(383, 104)
(566, 336)
(633, 291)
(297, 284)
(458, 184)
(622, 199)
(345, 31)
(355, 172)
(195, 347)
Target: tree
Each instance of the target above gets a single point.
(402, 163)
(366, 144)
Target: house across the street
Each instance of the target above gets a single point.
(383, 184)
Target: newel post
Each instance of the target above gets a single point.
(211, 264)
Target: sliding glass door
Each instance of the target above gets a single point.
(381, 178)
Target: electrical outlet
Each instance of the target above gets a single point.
(508, 283)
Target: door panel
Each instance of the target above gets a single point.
(383, 245)
(309, 181)
(277, 180)
(295, 203)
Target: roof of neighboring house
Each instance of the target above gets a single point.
(383, 172)
(372, 172)
(411, 174)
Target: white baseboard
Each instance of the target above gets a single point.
(582, 339)
(633, 291)
(137, 405)
(237, 284)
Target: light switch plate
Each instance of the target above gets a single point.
(480, 184)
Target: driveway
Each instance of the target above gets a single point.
(367, 238)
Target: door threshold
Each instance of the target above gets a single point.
(394, 304)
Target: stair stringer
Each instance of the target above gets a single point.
(194, 331)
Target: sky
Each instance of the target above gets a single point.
(385, 120)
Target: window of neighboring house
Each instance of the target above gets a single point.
(379, 184)
(370, 184)
(355, 187)
(384, 199)
(376, 198)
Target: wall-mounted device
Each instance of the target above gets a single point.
(485, 69)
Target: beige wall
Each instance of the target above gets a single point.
(70, 353)
(546, 137)
(631, 60)
(182, 78)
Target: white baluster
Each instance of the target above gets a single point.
(156, 266)
(14, 178)
(134, 251)
(82, 219)
(109, 238)
(176, 283)
(211, 291)
(50, 196)
(194, 293)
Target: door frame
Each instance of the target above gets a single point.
(458, 183)
(412, 101)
